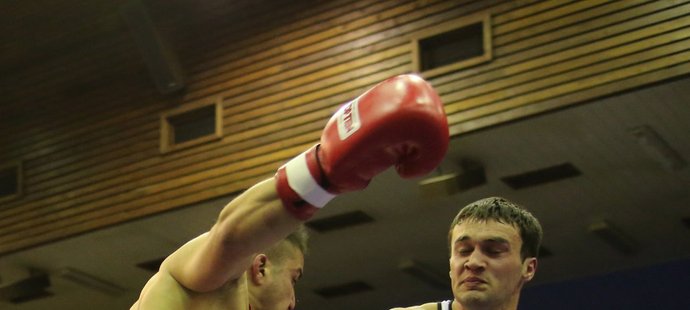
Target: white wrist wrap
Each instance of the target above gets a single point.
(301, 181)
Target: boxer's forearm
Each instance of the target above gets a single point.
(249, 224)
(253, 221)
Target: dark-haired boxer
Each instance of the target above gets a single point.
(244, 261)
(494, 245)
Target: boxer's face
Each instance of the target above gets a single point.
(485, 264)
(278, 291)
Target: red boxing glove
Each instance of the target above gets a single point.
(399, 122)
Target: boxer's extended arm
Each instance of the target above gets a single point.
(399, 122)
(249, 224)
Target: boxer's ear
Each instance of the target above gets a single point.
(529, 268)
(258, 269)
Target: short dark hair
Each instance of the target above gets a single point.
(299, 239)
(504, 211)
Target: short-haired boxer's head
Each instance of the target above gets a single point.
(298, 239)
(274, 273)
(506, 212)
(493, 249)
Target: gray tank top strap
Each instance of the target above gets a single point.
(444, 305)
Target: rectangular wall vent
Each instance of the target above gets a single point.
(658, 148)
(453, 45)
(614, 236)
(340, 221)
(10, 181)
(425, 273)
(344, 289)
(193, 124)
(541, 176)
(91, 282)
(187, 126)
(31, 288)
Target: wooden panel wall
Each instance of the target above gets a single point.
(92, 159)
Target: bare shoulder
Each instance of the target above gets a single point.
(427, 306)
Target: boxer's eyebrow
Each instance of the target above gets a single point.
(462, 238)
(494, 239)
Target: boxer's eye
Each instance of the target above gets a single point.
(465, 251)
(493, 251)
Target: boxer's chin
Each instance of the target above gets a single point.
(473, 297)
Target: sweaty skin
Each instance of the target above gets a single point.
(214, 270)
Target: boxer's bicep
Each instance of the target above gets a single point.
(200, 265)
(245, 227)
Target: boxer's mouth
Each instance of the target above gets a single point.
(473, 281)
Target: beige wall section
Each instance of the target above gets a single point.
(91, 157)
